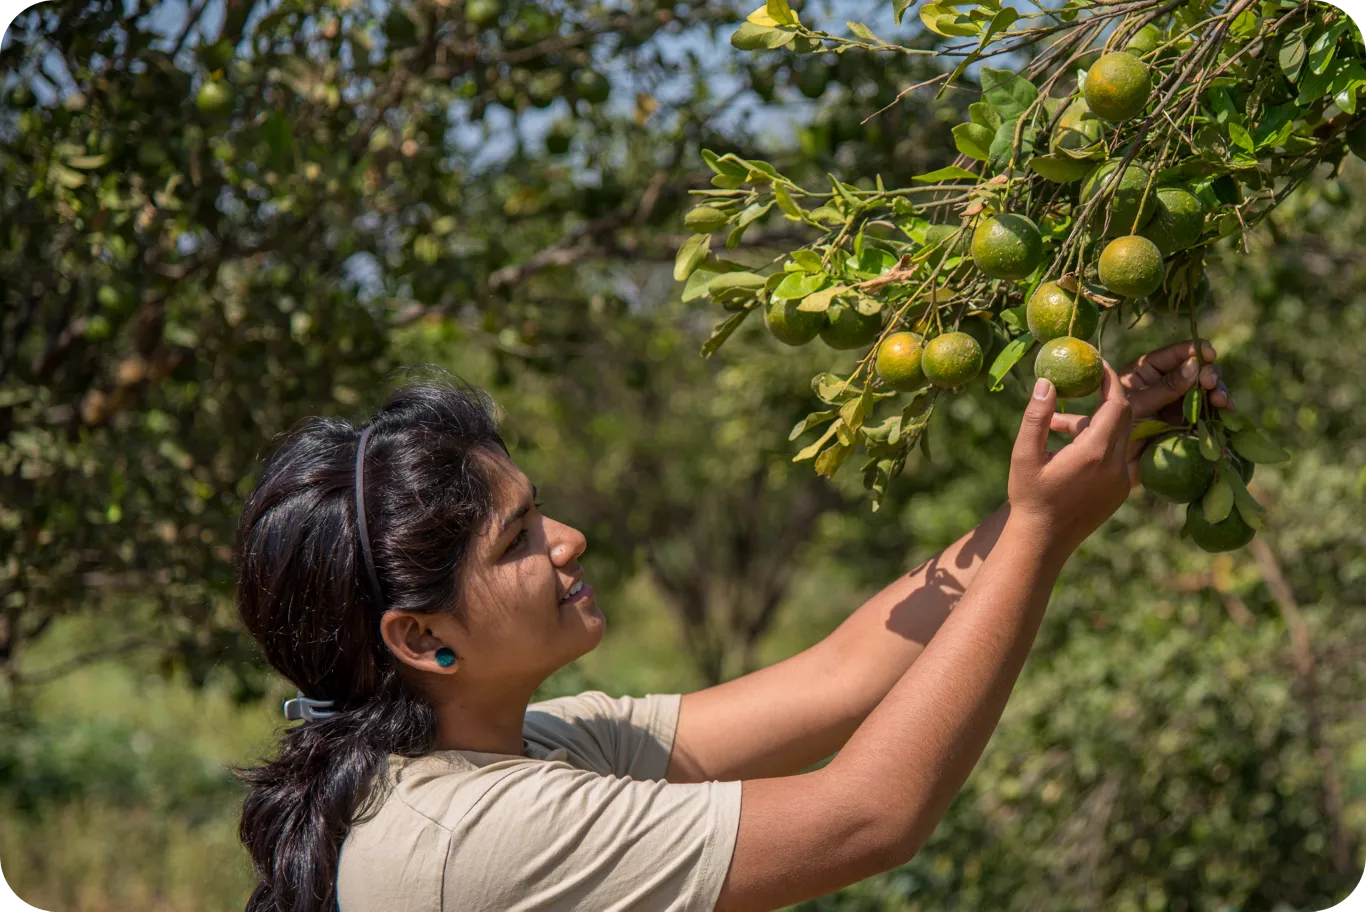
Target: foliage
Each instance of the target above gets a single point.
(1247, 100)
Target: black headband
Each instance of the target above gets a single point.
(360, 519)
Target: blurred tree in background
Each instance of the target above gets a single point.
(217, 220)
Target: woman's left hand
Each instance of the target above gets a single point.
(1155, 384)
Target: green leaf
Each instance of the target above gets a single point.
(820, 301)
(732, 286)
(65, 176)
(984, 115)
(751, 37)
(810, 421)
(1149, 428)
(943, 19)
(1008, 93)
(722, 333)
(1218, 502)
(88, 162)
(831, 388)
(691, 255)
(1252, 512)
(780, 12)
(798, 285)
(807, 452)
(862, 31)
(1008, 358)
(1209, 448)
(696, 286)
(1250, 444)
(899, 8)
(1190, 407)
(973, 140)
(844, 191)
(808, 260)
(1291, 57)
(830, 460)
(1322, 51)
(1003, 146)
(1060, 169)
(951, 173)
(785, 203)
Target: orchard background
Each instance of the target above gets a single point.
(216, 218)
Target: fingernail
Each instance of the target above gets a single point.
(1041, 388)
(1189, 368)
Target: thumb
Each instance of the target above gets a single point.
(1031, 443)
(1172, 386)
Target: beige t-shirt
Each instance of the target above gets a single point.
(586, 822)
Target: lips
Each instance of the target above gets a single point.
(577, 592)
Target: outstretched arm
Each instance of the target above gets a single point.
(784, 718)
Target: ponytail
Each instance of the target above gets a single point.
(305, 596)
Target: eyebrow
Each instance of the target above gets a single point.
(521, 511)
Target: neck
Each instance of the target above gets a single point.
(486, 722)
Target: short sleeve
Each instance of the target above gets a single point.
(617, 736)
(549, 837)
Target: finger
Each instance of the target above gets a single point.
(1154, 364)
(1209, 376)
(1031, 449)
(1068, 424)
(1114, 417)
(1169, 387)
(1134, 479)
(1220, 398)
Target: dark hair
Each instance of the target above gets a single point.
(304, 596)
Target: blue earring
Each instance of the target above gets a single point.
(445, 657)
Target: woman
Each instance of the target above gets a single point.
(404, 578)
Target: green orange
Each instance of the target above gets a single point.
(1007, 246)
(952, 360)
(1077, 129)
(1127, 206)
(1131, 266)
(1118, 86)
(1230, 534)
(1072, 365)
(1178, 220)
(1053, 311)
(846, 328)
(790, 325)
(1174, 469)
(898, 361)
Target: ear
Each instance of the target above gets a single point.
(415, 638)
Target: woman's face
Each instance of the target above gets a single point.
(521, 623)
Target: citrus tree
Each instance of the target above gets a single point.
(1111, 150)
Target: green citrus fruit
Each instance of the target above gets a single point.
(545, 87)
(952, 360)
(790, 325)
(1173, 469)
(482, 13)
(592, 86)
(1117, 86)
(1007, 246)
(1072, 365)
(559, 136)
(846, 328)
(1053, 311)
(1356, 140)
(216, 56)
(813, 80)
(1077, 129)
(898, 361)
(980, 329)
(1228, 535)
(1145, 42)
(1131, 266)
(215, 98)
(1124, 206)
(1178, 220)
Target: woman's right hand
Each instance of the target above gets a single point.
(1066, 495)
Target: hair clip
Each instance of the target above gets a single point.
(302, 708)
